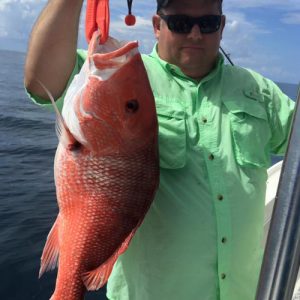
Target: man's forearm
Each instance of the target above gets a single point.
(52, 48)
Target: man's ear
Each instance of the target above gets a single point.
(156, 25)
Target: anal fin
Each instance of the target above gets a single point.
(98, 277)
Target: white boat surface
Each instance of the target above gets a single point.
(272, 184)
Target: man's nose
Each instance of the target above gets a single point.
(195, 32)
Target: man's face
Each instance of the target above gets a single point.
(194, 53)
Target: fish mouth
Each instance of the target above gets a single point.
(106, 59)
(112, 47)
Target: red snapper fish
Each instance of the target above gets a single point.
(106, 167)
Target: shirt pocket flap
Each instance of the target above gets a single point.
(174, 111)
(250, 131)
(248, 106)
(172, 136)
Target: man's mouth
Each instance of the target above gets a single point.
(195, 47)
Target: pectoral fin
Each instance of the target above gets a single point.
(63, 133)
(50, 254)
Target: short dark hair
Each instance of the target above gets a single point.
(164, 3)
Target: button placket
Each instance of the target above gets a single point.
(223, 237)
(210, 143)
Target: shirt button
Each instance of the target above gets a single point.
(204, 120)
(223, 275)
(211, 157)
(220, 197)
(224, 240)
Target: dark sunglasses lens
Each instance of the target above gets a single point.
(179, 24)
(184, 24)
(209, 24)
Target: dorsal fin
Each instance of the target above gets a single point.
(63, 133)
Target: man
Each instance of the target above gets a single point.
(202, 238)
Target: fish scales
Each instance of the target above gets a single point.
(109, 178)
(106, 168)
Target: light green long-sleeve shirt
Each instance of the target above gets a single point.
(202, 238)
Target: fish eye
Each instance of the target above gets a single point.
(132, 106)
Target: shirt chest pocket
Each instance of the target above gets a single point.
(172, 136)
(250, 132)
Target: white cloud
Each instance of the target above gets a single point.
(242, 40)
(142, 27)
(242, 36)
(291, 18)
(17, 17)
(3, 33)
(282, 4)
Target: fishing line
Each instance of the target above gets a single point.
(129, 3)
(227, 56)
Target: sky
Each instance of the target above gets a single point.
(263, 35)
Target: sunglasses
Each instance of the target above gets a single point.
(184, 24)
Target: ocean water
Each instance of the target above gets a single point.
(28, 205)
(27, 194)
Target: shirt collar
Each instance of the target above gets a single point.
(176, 71)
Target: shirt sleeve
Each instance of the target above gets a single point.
(80, 58)
(281, 110)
